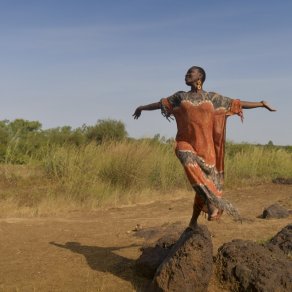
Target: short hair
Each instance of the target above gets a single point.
(201, 70)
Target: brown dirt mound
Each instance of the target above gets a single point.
(247, 266)
(188, 266)
(283, 240)
(153, 256)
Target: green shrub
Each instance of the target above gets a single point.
(106, 130)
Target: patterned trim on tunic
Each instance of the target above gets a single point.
(218, 101)
(176, 99)
(197, 102)
(220, 203)
(164, 111)
(187, 157)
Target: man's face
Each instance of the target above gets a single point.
(192, 76)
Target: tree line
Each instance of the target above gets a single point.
(20, 140)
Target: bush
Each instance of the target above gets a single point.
(22, 141)
(107, 130)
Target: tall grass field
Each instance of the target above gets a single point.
(67, 176)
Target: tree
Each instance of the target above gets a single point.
(270, 143)
(105, 130)
(21, 126)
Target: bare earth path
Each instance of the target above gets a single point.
(96, 251)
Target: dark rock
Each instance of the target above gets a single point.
(283, 240)
(188, 266)
(281, 180)
(168, 241)
(153, 256)
(248, 266)
(275, 211)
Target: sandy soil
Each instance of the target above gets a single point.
(96, 251)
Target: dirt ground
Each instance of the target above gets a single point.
(96, 251)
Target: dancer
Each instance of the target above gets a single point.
(201, 123)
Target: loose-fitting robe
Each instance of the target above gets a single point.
(201, 124)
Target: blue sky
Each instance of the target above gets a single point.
(74, 62)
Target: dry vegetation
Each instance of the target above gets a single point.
(66, 177)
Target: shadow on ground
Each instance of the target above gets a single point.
(104, 259)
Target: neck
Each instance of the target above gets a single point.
(195, 89)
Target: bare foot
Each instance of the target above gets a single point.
(214, 214)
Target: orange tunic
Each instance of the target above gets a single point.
(201, 123)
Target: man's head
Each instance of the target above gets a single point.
(194, 74)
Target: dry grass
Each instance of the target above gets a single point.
(124, 168)
(93, 176)
(257, 165)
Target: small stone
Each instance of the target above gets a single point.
(281, 180)
(275, 211)
(137, 227)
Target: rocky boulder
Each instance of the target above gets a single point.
(283, 240)
(275, 211)
(188, 265)
(247, 266)
(153, 256)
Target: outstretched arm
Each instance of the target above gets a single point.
(148, 107)
(249, 105)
